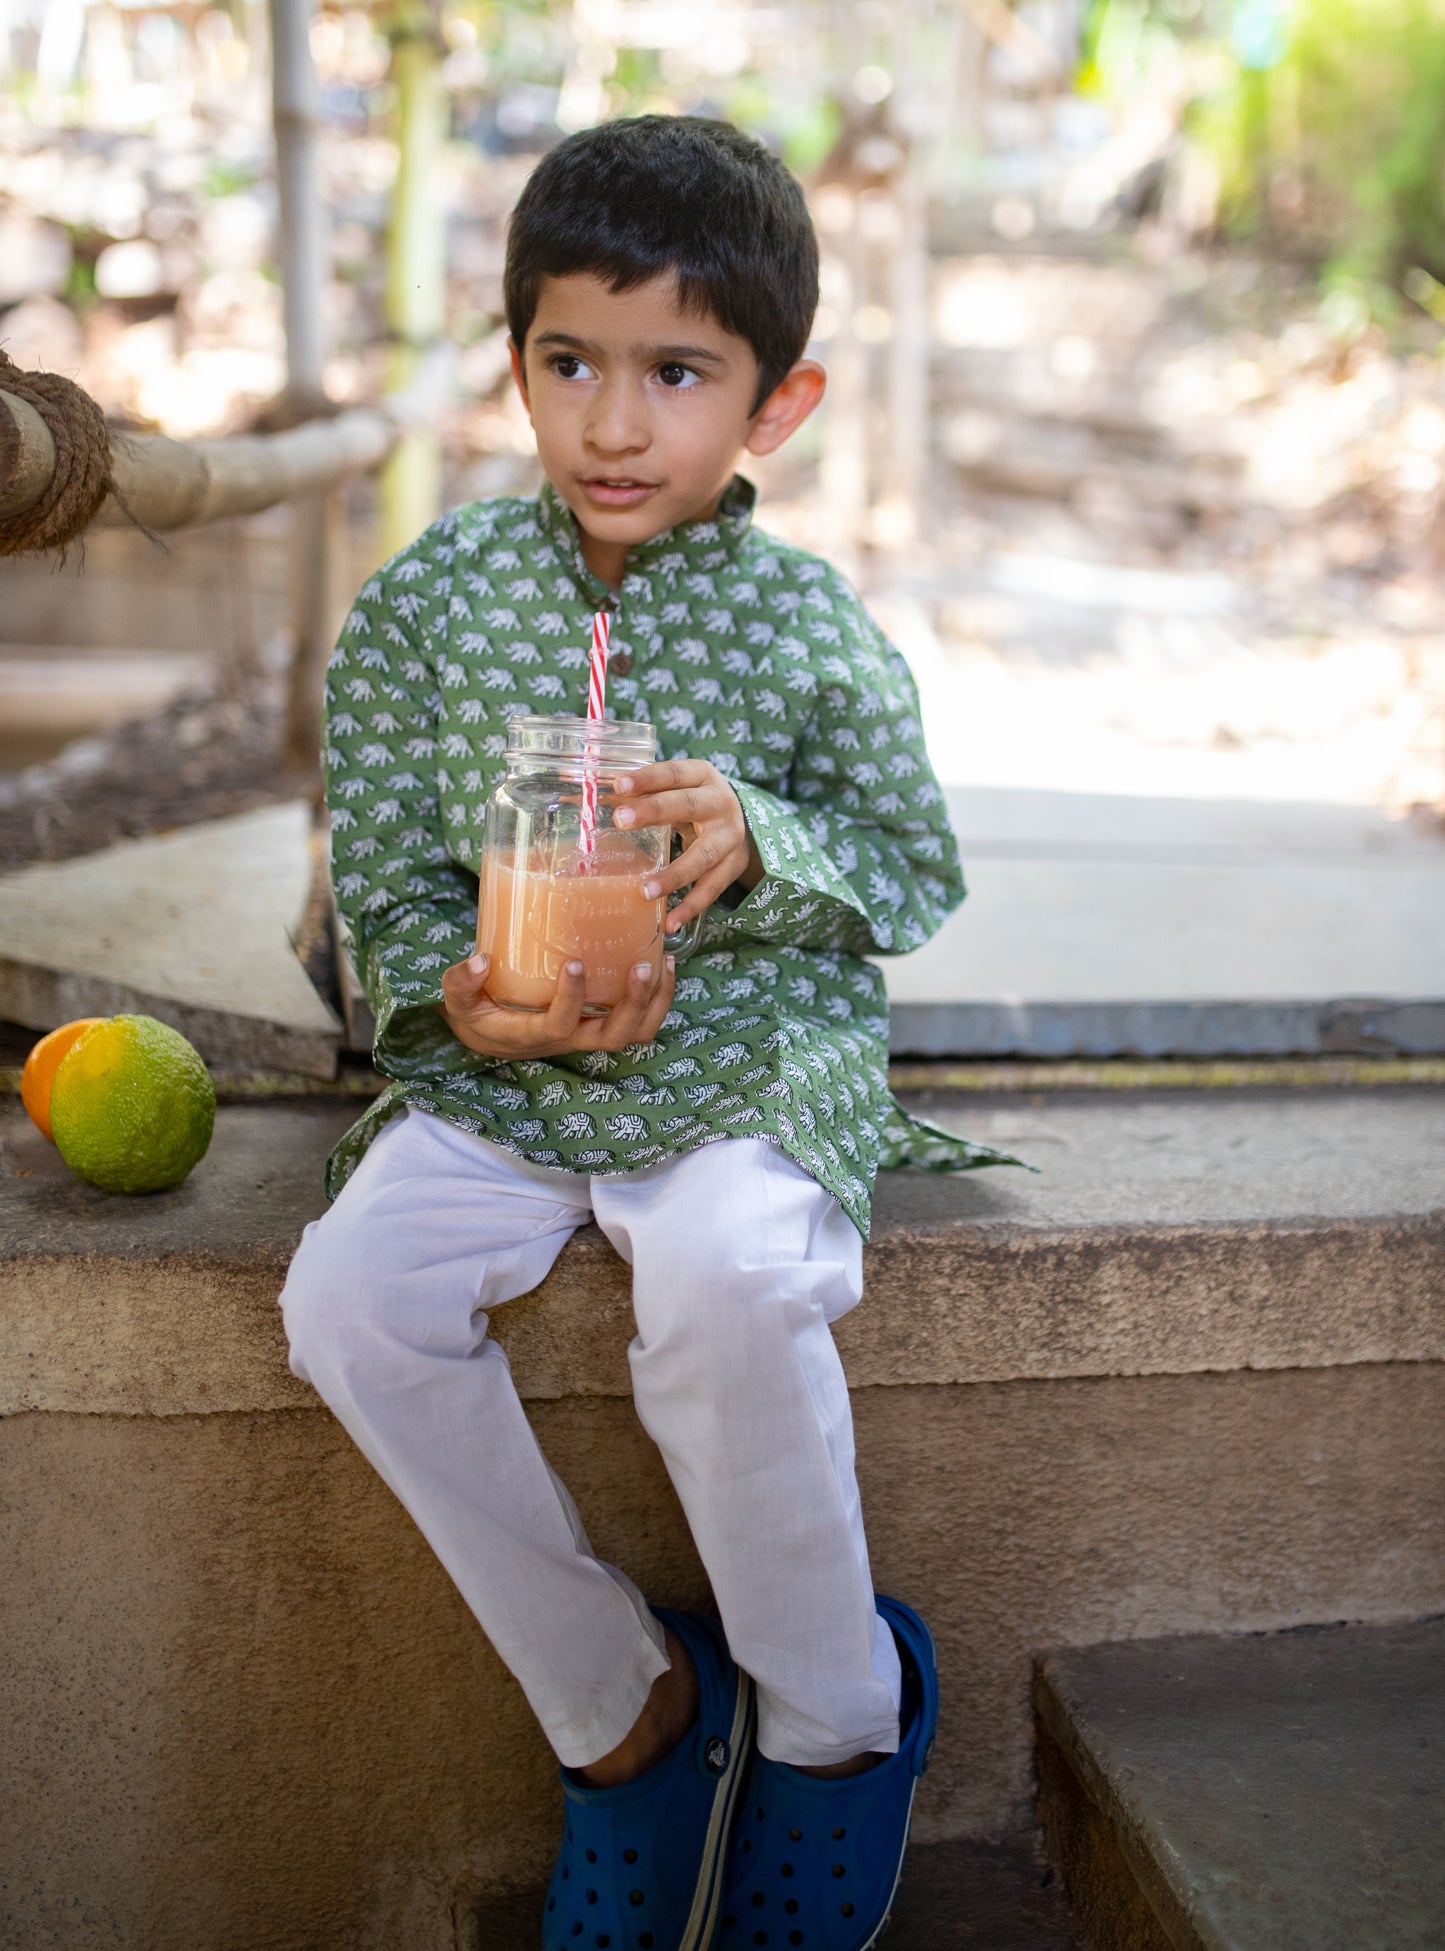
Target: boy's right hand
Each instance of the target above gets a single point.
(492, 1031)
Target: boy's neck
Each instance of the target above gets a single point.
(608, 560)
(605, 559)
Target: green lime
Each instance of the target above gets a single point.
(132, 1106)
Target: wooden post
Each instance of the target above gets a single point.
(411, 482)
(318, 524)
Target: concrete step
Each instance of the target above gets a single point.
(1187, 1379)
(1102, 925)
(1283, 1792)
(196, 927)
(969, 1895)
(50, 695)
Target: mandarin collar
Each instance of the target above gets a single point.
(686, 546)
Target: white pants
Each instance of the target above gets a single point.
(740, 1261)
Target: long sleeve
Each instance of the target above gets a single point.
(859, 856)
(408, 907)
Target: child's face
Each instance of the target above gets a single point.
(642, 409)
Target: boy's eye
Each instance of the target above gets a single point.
(567, 365)
(676, 375)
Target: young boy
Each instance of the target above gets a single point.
(722, 1125)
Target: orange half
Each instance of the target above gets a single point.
(37, 1080)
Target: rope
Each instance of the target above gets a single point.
(82, 477)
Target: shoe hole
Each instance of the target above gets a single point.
(603, 1940)
(635, 1897)
(590, 1854)
(790, 1905)
(839, 1834)
(762, 1815)
(577, 1930)
(747, 1847)
(786, 1868)
(566, 1871)
(837, 1871)
(758, 1900)
(644, 1941)
(845, 1910)
(760, 1937)
(730, 1923)
(629, 1855)
(795, 1937)
(551, 1903)
(591, 1896)
(795, 1835)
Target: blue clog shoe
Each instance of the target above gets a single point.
(641, 1865)
(815, 1864)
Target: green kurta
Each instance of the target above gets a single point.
(745, 651)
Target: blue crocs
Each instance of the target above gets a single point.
(641, 1865)
(815, 1864)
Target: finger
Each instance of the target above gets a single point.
(705, 856)
(664, 774)
(660, 1004)
(700, 897)
(565, 1010)
(681, 806)
(625, 1019)
(463, 982)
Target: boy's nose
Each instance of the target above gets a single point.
(618, 423)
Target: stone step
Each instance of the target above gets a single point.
(50, 695)
(959, 1896)
(1186, 1379)
(1102, 925)
(195, 927)
(1281, 1792)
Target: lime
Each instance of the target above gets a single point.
(132, 1106)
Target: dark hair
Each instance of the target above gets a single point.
(630, 200)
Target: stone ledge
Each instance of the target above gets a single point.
(1166, 1235)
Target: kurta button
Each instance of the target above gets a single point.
(619, 663)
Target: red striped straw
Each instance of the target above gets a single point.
(596, 703)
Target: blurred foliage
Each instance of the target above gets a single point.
(1325, 121)
(1341, 141)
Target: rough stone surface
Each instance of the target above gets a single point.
(1311, 1814)
(1241, 919)
(224, 1634)
(1164, 1234)
(194, 927)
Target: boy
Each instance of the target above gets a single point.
(722, 1126)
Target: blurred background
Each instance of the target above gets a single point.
(1133, 312)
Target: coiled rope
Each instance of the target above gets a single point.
(82, 477)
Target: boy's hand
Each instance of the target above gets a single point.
(693, 796)
(484, 1026)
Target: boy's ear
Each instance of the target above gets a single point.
(787, 406)
(519, 371)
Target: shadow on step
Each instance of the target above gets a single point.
(985, 1896)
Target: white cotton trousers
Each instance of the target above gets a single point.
(740, 1261)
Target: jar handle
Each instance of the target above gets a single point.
(682, 944)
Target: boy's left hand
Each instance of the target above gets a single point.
(694, 797)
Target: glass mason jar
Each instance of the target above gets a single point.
(545, 897)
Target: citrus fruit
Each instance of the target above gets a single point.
(132, 1106)
(41, 1065)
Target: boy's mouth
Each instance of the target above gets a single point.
(617, 490)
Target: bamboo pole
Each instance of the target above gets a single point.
(168, 484)
(411, 482)
(318, 527)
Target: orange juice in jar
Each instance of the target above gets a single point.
(550, 894)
